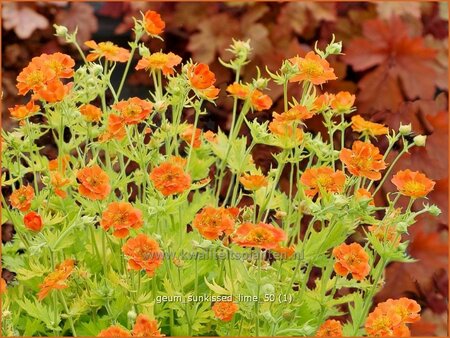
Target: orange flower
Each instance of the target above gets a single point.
(33, 221)
(260, 101)
(210, 93)
(58, 182)
(144, 253)
(164, 62)
(385, 233)
(331, 328)
(363, 160)
(3, 286)
(390, 318)
(260, 235)
(153, 23)
(56, 279)
(22, 197)
(33, 77)
(114, 331)
(237, 90)
(364, 193)
(412, 183)
(170, 179)
(146, 327)
(115, 129)
(90, 112)
(44, 69)
(200, 76)
(296, 113)
(322, 102)
(312, 68)
(286, 130)
(210, 136)
(342, 102)
(61, 64)
(133, 110)
(53, 91)
(94, 183)
(53, 164)
(225, 310)
(21, 112)
(351, 258)
(214, 222)
(121, 216)
(108, 50)
(190, 137)
(368, 128)
(322, 178)
(178, 160)
(382, 324)
(285, 252)
(253, 182)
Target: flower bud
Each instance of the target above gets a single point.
(288, 314)
(260, 83)
(434, 210)
(60, 30)
(160, 106)
(96, 69)
(405, 129)
(143, 50)
(131, 315)
(420, 140)
(241, 49)
(268, 289)
(334, 48)
(402, 227)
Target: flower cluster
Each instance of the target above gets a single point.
(144, 209)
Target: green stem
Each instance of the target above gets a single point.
(72, 326)
(127, 67)
(368, 299)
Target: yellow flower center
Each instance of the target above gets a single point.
(35, 77)
(107, 47)
(324, 180)
(132, 109)
(312, 68)
(414, 187)
(158, 60)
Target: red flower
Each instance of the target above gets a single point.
(33, 221)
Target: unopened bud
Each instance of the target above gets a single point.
(60, 30)
(405, 129)
(434, 210)
(420, 140)
(131, 315)
(334, 48)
